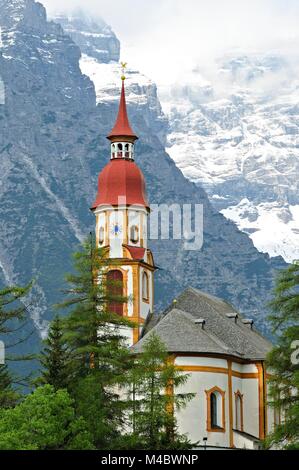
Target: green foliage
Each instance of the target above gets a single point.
(282, 362)
(154, 383)
(13, 314)
(8, 396)
(102, 409)
(55, 358)
(94, 338)
(45, 420)
(11, 307)
(92, 332)
(285, 304)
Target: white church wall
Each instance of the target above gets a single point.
(116, 218)
(102, 223)
(249, 389)
(200, 361)
(247, 368)
(127, 333)
(137, 216)
(193, 419)
(129, 304)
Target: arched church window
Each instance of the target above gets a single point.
(214, 415)
(115, 291)
(239, 411)
(101, 235)
(145, 286)
(127, 151)
(215, 410)
(134, 234)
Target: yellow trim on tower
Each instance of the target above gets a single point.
(261, 398)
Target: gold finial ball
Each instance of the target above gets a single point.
(174, 301)
(123, 66)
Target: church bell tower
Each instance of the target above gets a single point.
(121, 210)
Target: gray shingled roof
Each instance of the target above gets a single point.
(220, 335)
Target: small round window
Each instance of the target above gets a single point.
(134, 234)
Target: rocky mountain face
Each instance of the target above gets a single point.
(53, 126)
(95, 38)
(235, 132)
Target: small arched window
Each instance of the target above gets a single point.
(119, 150)
(134, 234)
(101, 235)
(145, 286)
(215, 410)
(113, 150)
(239, 411)
(214, 415)
(127, 151)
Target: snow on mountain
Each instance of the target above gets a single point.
(141, 92)
(273, 227)
(237, 134)
(106, 81)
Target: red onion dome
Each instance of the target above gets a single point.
(121, 178)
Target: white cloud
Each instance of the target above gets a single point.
(165, 38)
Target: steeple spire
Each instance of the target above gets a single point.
(122, 127)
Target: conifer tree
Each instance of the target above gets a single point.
(95, 338)
(55, 358)
(13, 314)
(283, 360)
(8, 396)
(154, 399)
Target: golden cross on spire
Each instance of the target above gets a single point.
(123, 68)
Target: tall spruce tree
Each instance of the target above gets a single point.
(283, 360)
(154, 399)
(56, 370)
(95, 338)
(13, 315)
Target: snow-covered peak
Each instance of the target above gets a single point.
(273, 227)
(106, 79)
(240, 131)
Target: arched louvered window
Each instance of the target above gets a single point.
(115, 289)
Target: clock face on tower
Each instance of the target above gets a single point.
(116, 229)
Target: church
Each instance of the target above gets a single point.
(222, 352)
